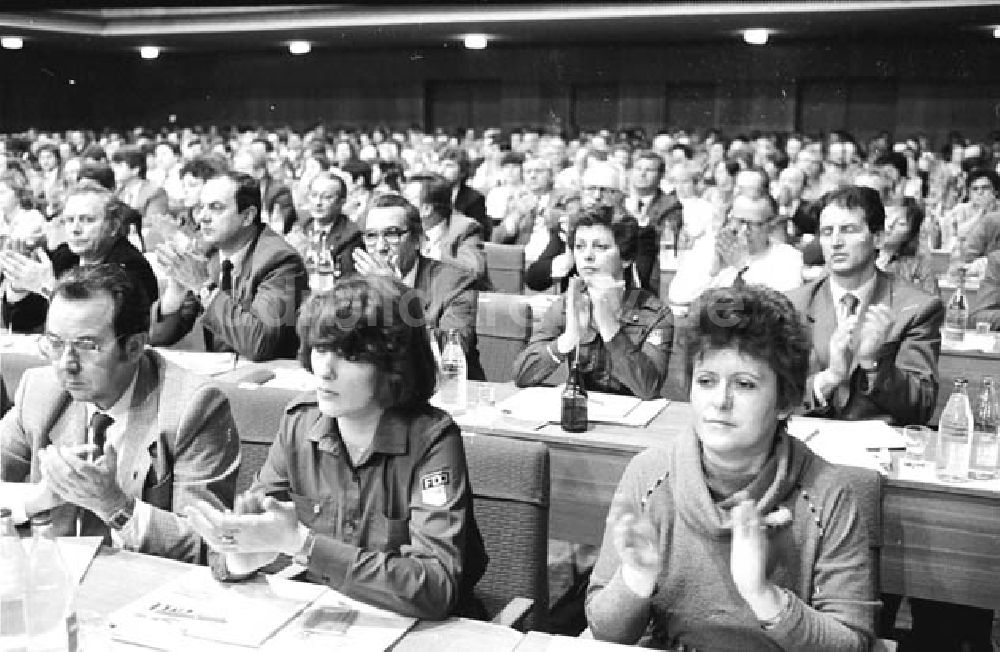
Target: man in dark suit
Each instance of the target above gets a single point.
(454, 166)
(393, 234)
(158, 439)
(876, 338)
(328, 227)
(449, 236)
(250, 286)
(655, 211)
(95, 223)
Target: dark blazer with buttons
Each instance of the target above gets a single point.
(472, 203)
(257, 317)
(179, 427)
(903, 388)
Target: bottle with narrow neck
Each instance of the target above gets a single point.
(985, 463)
(13, 587)
(573, 414)
(956, 315)
(955, 430)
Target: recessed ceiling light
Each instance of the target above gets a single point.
(11, 42)
(996, 33)
(299, 47)
(149, 52)
(476, 41)
(756, 36)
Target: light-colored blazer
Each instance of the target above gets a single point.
(905, 384)
(181, 446)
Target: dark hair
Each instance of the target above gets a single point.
(625, 230)
(512, 158)
(896, 160)
(359, 169)
(458, 155)
(204, 167)
(247, 191)
(983, 173)
(94, 152)
(100, 173)
(650, 155)
(392, 200)
(867, 199)
(434, 190)
(758, 322)
(133, 157)
(131, 304)
(379, 320)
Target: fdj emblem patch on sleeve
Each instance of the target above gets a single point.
(434, 488)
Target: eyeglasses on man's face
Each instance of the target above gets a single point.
(393, 235)
(750, 225)
(981, 187)
(52, 346)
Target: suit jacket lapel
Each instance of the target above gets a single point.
(822, 317)
(134, 456)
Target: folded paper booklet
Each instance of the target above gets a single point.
(195, 612)
(203, 363)
(543, 404)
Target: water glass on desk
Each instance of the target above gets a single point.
(918, 460)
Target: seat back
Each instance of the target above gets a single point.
(510, 486)
(503, 328)
(505, 267)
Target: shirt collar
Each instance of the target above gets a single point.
(119, 411)
(391, 435)
(863, 293)
(237, 258)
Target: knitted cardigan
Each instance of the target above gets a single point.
(822, 558)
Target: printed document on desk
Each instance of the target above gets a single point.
(195, 612)
(544, 404)
(203, 363)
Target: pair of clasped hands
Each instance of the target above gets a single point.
(858, 338)
(253, 533)
(637, 543)
(592, 307)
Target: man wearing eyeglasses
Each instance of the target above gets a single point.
(393, 235)
(741, 249)
(111, 438)
(249, 288)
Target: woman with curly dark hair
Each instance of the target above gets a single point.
(366, 483)
(733, 535)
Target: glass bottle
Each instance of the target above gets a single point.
(956, 316)
(668, 249)
(323, 278)
(986, 445)
(955, 430)
(51, 618)
(13, 587)
(573, 415)
(454, 390)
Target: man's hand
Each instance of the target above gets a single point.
(91, 485)
(365, 263)
(874, 330)
(276, 529)
(27, 274)
(188, 269)
(840, 348)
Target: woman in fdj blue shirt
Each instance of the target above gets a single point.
(366, 483)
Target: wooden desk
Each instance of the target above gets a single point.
(938, 541)
(542, 642)
(116, 578)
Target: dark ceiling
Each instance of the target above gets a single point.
(180, 29)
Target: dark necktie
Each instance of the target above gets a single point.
(848, 306)
(226, 282)
(88, 523)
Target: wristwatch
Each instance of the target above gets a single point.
(122, 516)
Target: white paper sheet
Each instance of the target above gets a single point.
(544, 404)
(194, 612)
(77, 553)
(202, 363)
(851, 443)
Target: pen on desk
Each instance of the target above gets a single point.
(807, 438)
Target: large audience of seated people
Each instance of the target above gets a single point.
(785, 273)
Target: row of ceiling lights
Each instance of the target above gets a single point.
(754, 36)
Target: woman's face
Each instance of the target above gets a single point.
(344, 388)
(734, 398)
(596, 253)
